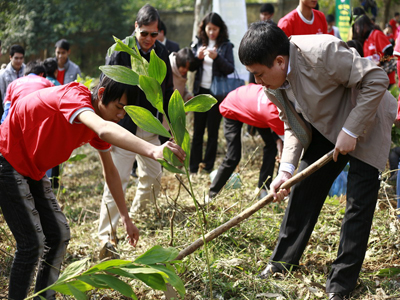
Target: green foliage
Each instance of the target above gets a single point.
(87, 81)
(388, 272)
(200, 103)
(88, 25)
(121, 74)
(75, 281)
(145, 120)
(179, 5)
(151, 75)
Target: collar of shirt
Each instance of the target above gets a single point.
(140, 48)
(309, 22)
(286, 84)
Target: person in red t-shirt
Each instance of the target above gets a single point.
(249, 104)
(55, 121)
(396, 52)
(374, 41)
(304, 20)
(32, 81)
(68, 71)
(393, 23)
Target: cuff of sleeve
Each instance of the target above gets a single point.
(287, 168)
(350, 133)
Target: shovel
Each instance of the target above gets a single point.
(250, 211)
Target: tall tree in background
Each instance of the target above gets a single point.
(88, 25)
(201, 8)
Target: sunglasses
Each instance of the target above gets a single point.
(144, 33)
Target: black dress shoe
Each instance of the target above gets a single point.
(335, 296)
(270, 270)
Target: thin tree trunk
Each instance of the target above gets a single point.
(201, 8)
(386, 11)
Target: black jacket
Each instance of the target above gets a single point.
(124, 59)
(222, 65)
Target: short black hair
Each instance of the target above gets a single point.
(115, 90)
(50, 65)
(396, 14)
(16, 49)
(147, 15)
(262, 43)
(268, 8)
(330, 18)
(356, 45)
(183, 56)
(357, 11)
(63, 44)
(35, 67)
(162, 27)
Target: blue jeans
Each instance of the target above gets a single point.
(39, 228)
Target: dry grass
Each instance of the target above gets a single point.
(236, 257)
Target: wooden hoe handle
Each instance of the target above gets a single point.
(255, 207)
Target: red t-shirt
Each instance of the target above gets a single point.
(60, 76)
(393, 24)
(24, 86)
(249, 104)
(41, 130)
(376, 43)
(396, 52)
(295, 24)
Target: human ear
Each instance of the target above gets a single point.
(280, 61)
(100, 93)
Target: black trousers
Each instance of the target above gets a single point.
(232, 132)
(305, 203)
(202, 120)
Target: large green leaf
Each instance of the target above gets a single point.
(64, 287)
(155, 281)
(127, 46)
(106, 265)
(117, 285)
(140, 65)
(173, 279)
(145, 120)
(77, 293)
(130, 270)
(167, 166)
(72, 270)
(186, 147)
(93, 281)
(120, 74)
(153, 91)
(171, 157)
(157, 254)
(177, 117)
(152, 277)
(200, 103)
(157, 67)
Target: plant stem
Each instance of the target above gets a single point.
(202, 230)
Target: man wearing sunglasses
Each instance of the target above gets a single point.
(149, 172)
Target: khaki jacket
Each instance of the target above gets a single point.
(337, 88)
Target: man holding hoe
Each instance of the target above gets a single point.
(329, 98)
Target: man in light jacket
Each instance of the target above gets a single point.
(329, 98)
